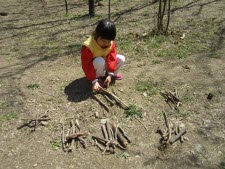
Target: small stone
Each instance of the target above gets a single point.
(145, 94)
(35, 165)
(96, 114)
(44, 123)
(103, 121)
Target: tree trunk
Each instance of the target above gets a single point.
(91, 7)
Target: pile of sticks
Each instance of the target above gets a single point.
(171, 134)
(73, 136)
(114, 136)
(111, 98)
(34, 123)
(172, 98)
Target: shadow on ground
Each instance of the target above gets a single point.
(78, 90)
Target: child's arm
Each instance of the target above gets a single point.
(110, 64)
(87, 64)
(111, 60)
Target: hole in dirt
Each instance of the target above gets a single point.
(78, 90)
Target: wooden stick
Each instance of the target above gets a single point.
(75, 135)
(167, 125)
(36, 123)
(122, 142)
(109, 100)
(63, 137)
(181, 138)
(104, 132)
(113, 135)
(77, 124)
(100, 139)
(82, 142)
(181, 133)
(73, 131)
(98, 145)
(122, 104)
(101, 103)
(67, 143)
(142, 124)
(108, 130)
(38, 119)
(124, 134)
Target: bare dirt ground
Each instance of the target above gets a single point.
(40, 73)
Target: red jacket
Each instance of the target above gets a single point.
(87, 62)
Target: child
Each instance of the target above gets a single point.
(98, 55)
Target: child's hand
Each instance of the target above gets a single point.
(96, 86)
(107, 81)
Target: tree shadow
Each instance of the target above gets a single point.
(193, 4)
(78, 90)
(131, 9)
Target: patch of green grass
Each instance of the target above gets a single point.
(179, 52)
(7, 117)
(156, 61)
(14, 50)
(222, 165)
(201, 131)
(124, 43)
(33, 86)
(2, 83)
(187, 98)
(183, 114)
(124, 155)
(133, 112)
(3, 104)
(56, 144)
(146, 86)
(74, 46)
(69, 15)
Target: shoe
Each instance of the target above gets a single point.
(117, 77)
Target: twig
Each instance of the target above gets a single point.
(142, 124)
(77, 124)
(104, 132)
(63, 137)
(82, 142)
(108, 130)
(73, 131)
(75, 135)
(101, 103)
(36, 123)
(119, 137)
(98, 145)
(168, 126)
(122, 104)
(109, 100)
(181, 138)
(181, 133)
(124, 134)
(33, 122)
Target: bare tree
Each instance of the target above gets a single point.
(91, 8)
(163, 9)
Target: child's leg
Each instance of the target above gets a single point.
(99, 65)
(120, 59)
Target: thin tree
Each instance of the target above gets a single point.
(163, 9)
(91, 8)
(109, 9)
(66, 4)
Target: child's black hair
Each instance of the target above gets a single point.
(106, 29)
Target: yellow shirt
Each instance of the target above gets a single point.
(96, 50)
